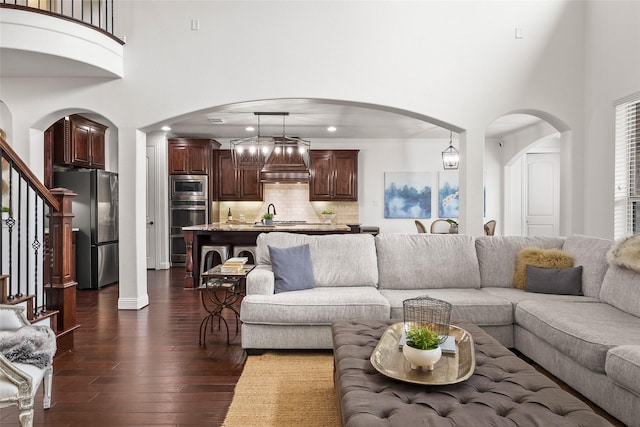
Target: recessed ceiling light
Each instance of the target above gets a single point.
(165, 128)
(332, 129)
(249, 128)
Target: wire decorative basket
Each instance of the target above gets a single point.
(430, 312)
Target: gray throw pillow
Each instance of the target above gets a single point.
(292, 268)
(559, 281)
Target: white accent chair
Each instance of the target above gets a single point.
(20, 381)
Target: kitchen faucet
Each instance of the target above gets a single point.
(271, 205)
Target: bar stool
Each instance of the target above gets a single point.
(212, 255)
(248, 251)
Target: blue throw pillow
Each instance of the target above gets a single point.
(292, 268)
(559, 281)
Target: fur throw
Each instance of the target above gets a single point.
(626, 253)
(34, 345)
(537, 257)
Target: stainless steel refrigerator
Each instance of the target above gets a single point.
(96, 217)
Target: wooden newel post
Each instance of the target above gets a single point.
(61, 295)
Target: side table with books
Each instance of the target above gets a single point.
(222, 287)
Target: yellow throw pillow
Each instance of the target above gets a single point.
(543, 258)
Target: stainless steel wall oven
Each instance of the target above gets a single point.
(189, 205)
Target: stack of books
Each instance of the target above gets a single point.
(234, 265)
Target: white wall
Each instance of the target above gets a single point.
(382, 155)
(455, 61)
(612, 72)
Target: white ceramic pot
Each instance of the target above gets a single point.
(417, 357)
(328, 218)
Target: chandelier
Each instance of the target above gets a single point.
(450, 156)
(257, 151)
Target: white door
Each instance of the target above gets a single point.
(151, 207)
(542, 194)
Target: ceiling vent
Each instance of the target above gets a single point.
(216, 121)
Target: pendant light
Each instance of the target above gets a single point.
(450, 156)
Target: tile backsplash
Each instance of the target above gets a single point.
(292, 204)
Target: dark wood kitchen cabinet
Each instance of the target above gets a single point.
(190, 156)
(78, 141)
(234, 184)
(333, 175)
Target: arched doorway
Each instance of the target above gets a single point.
(525, 163)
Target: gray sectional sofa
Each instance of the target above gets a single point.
(590, 341)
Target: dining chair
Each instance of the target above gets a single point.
(440, 226)
(420, 226)
(490, 227)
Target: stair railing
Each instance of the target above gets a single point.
(36, 243)
(95, 13)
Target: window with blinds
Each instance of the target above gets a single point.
(627, 171)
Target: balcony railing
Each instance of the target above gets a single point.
(95, 13)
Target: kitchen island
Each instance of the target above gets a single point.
(244, 234)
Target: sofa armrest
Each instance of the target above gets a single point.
(261, 281)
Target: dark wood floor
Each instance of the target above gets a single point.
(142, 368)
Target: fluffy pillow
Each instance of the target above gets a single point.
(292, 268)
(559, 281)
(545, 258)
(626, 253)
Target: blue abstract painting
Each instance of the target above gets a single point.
(407, 194)
(448, 195)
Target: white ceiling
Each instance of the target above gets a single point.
(310, 119)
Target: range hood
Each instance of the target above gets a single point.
(285, 165)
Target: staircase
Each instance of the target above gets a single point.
(36, 243)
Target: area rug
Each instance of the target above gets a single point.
(285, 389)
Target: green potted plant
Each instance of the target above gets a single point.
(453, 227)
(328, 216)
(267, 219)
(422, 347)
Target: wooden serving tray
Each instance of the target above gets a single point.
(387, 358)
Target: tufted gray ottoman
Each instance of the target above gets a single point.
(504, 390)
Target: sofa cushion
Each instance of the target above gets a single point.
(470, 304)
(497, 256)
(584, 331)
(547, 258)
(427, 261)
(623, 367)
(591, 254)
(516, 296)
(621, 289)
(561, 281)
(316, 306)
(338, 259)
(292, 268)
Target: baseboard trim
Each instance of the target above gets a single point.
(133, 303)
(163, 266)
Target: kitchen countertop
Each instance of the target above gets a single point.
(223, 226)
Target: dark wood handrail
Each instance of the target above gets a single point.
(28, 175)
